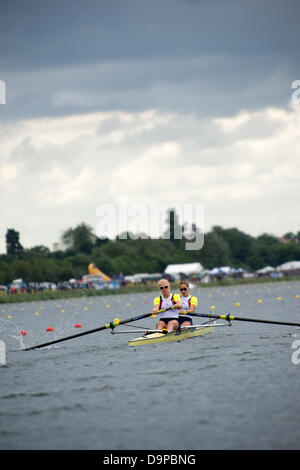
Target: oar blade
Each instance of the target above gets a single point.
(66, 338)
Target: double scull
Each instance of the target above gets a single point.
(158, 336)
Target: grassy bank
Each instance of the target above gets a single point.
(82, 293)
(69, 294)
(258, 280)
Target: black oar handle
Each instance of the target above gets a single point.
(229, 317)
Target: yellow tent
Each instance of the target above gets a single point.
(93, 270)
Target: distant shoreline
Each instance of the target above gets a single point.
(132, 289)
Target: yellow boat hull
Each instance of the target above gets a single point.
(154, 338)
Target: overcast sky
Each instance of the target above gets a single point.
(157, 101)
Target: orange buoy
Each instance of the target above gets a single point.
(78, 325)
(50, 328)
(23, 332)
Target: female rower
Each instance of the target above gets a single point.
(189, 304)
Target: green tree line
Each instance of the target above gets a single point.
(79, 247)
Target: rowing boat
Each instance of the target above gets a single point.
(184, 333)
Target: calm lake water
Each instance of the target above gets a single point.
(236, 388)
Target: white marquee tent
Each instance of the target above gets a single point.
(265, 270)
(187, 269)
(290, 265)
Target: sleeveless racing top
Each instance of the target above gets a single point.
(167, 303)
(187, 302)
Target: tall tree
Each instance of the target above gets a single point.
(80, 239)
(174, 230)
(289, 236)
(13, 245)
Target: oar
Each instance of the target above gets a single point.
(229, 318)
(111, 325)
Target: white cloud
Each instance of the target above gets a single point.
(245, 168)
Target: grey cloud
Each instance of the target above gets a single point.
(70, 31)
(208, 57)
(208, 86)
